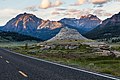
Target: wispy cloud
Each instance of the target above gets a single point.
(55, 13)
(60, 9)
(6, 14)
(99, 3)
(31, 8)
(57, 3)
(101, 12)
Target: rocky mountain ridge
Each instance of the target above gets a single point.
(110, 28)
(84, 24)
(29, 24)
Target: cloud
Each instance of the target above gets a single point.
(55, 13)
(79, 2)
(76, 13)
(100, 12)
(73, 10)
(7, 14)
(60, 9)
(57, 3)
(45, 4)
(31, 8)
(99, 3)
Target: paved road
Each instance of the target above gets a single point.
(17, 67)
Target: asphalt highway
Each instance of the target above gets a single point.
(14, 66)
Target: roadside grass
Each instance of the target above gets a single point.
(117, 48)
(16, 44)
(83, 57)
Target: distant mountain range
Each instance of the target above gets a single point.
(89, 26)
(29, 24)
(109, 28)
(68, 34)
(84, 24)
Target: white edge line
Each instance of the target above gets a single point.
(7, 61)
(1, 57)
(64, 65)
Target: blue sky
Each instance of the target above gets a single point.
(58, 9)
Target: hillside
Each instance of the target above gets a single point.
(68, 34)
(14, 37)
(110, 28)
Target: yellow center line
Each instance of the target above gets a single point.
(7, 62)
(23, 74)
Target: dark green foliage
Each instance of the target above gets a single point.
(117, 48)
(12, 36)
(83, 46)
(115, 40)
(102, 58)
(107, 32)
(26, 46)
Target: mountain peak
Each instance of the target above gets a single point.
(29, 24)
(108, 30)
(112, 21)
(90, 16)
(25, 15)
(68, 34)
(24, 19)
(84, 24)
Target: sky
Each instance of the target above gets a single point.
(58, 9)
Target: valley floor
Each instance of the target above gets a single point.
(76, 55)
